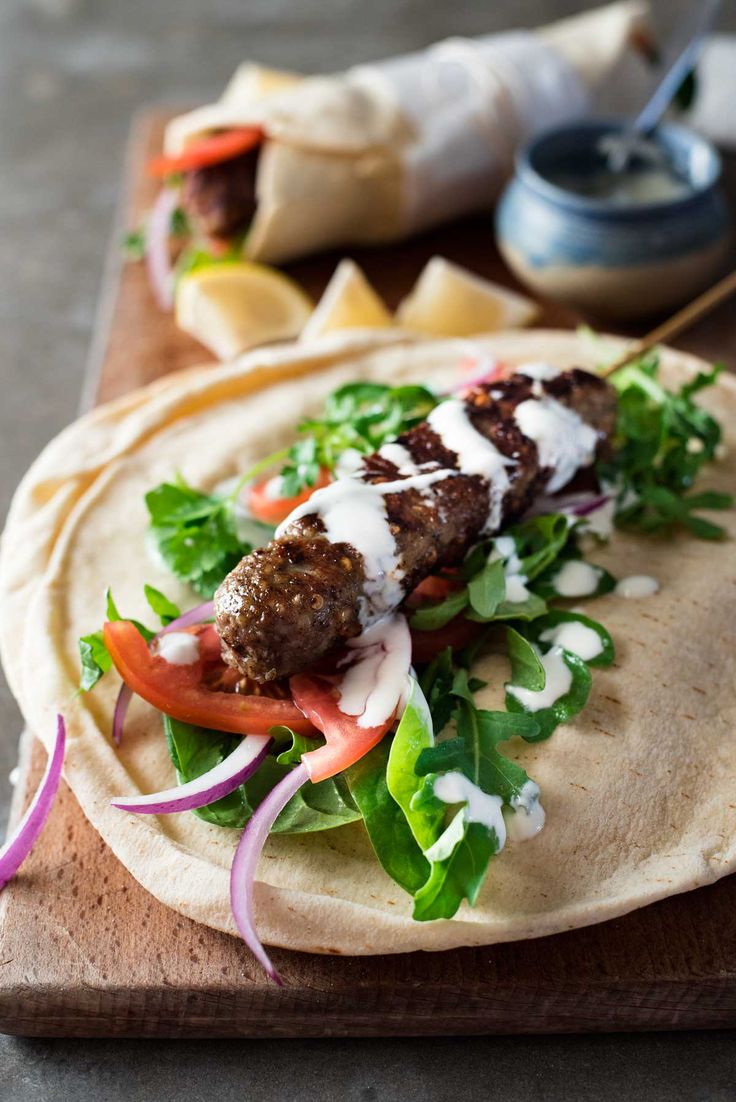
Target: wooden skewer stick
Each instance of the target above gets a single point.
(684, 318)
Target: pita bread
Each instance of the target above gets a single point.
(639, 789)
(382, 151)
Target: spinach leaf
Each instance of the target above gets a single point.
(194, 751)
(487, 589)
(432, 617)
(414, 734)
(387, 827)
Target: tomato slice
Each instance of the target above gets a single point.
(182, 691)
(346, 743)
(426, 645)
(272, 510)
(207, 151)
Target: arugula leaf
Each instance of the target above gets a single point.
(361, 416)
(487, 589)
(93, 653)
(526, 666)
(95, 659)
(431, 617)
(458, 875)
(165, 609)
(414, 734)
(546, 583)
(523, 676)
(436, 686)
(661, 442)
(460, 856)
(556, 616)
(539, 541)
(387, 827)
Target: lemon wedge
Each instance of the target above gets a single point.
(348, 302)
(231, 307)
(450, 301)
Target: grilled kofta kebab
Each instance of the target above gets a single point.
(355, 550)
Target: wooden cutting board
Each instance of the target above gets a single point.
(85, 951)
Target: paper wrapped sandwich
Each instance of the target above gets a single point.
(296, 165)
(446, 698)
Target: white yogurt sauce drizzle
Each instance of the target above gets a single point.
(475, 454)
(564, 441)
(576, 579)
(378, 664)
(178, 648)
(516, 590)
(557, 684)
(541, 371)
(456, 788)
(575, 637)
(637, 585)
(528, 816)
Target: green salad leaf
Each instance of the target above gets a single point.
(557, 617)
(661, 442)
(361, 416)
(93, 653)
(386, 825)
(196, 534)
(322, 806)
(525, 677)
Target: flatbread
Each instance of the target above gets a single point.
(640, 790)
(386, 150)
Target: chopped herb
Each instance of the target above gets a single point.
(361, 416)
(134, 245)
(661, 442)
(196, 534)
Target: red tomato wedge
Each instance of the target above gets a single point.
(182, 693)
(272, 510)
(425, 645)
(346, 743)
(433, 588)
(207, 151)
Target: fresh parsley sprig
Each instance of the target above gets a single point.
(197, 534)
(361, 416)
(661, 442)
(93, 653)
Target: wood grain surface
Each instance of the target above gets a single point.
(85, 951)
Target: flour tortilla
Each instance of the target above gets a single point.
(361, 157)
(639, 789)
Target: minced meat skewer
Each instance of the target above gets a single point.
(288, 604)
(220, 199)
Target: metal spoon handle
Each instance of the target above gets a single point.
(686, 46)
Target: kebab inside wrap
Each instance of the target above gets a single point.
(385, 150)
(637, 787)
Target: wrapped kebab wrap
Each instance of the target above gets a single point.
(638, 788)
(386, 150)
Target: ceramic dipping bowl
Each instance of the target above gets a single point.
(622, 256)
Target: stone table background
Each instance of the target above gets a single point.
(72, 73)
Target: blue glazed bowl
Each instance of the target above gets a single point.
(613, 259)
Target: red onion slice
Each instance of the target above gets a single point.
(212, 785)
(158, 258)
(242, 875)
(196, 615)
(577, 505)
(20, 843)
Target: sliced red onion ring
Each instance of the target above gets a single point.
(196, 615)
(158, 258)
(20, 843)
(576, 505)
(211, 786)
(242, 875)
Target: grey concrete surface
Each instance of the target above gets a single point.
(72, 72)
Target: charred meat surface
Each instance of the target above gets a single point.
(221, 199)
(288, 604)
